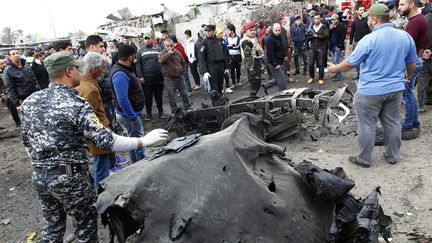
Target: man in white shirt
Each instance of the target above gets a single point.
(233, 44)
(193, 62)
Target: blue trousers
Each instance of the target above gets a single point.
(133, 129)
(410, 102)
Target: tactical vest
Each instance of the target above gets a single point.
(135, 92)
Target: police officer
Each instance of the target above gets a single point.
(212, 60)
(56, 124)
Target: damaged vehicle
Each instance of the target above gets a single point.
(232, 186)
(281, 112)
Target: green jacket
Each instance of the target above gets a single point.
(322, 39)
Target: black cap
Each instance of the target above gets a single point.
(210, 27)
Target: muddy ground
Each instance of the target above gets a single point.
(406, 187)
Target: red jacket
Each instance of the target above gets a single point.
(180, 48)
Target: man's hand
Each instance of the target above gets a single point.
(226, 71)
(142, 81)
(277, 67)
(350, 47)
(426, 54)
(18, 108)
(331, 68)
(206, 76)
(155, 136)
(3, 98)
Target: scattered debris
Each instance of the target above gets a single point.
(6, 221)
(419, 236)
(12, 189)
(30, 237)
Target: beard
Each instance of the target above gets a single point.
(405, 12)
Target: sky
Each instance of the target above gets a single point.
(33, 16)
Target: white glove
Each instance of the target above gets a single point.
(226, 71)
(206, 76)
(155, 136)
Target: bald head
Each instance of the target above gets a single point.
(276, 29)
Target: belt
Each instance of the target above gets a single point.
(69, 169)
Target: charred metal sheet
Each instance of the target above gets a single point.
(272, 109)
(231, 186)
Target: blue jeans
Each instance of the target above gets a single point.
(336, 60)
(410, 103)
(101, 164)
(133, 129)
(279, 78)
(186, 78)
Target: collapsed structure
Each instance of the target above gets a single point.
(232, 186)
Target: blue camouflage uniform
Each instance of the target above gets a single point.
(56, 127)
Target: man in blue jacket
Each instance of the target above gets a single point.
(128, 97)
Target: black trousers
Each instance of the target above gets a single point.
(13, 111)
(216, 71)
(317, 56)
(235, 67)
(153, 90)
(194, 71)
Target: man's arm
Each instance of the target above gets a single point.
(203, 57)
(270, 52)
(10, 87)
(138, 64)
(163, 56)
(409, 70)
(352, 32)
(341, 67)
(121, 86)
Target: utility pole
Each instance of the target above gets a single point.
(52, 23)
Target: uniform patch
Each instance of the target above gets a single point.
(96, 120)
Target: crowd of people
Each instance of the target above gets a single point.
(71, 102)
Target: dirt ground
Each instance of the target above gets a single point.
(406, 187)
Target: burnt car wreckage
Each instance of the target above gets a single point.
(232, 186)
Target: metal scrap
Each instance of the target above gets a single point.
(278, 111)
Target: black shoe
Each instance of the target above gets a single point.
(353, 159)
(393, 162)
(148, 117)
(162, 115)
(356, 78)
(297, 72)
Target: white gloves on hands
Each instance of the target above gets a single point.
(206, 76)
(155, 136)
(226, 71)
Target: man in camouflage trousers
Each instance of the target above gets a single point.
(56, 125)
(252, 53)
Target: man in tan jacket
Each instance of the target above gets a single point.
(94, 67)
